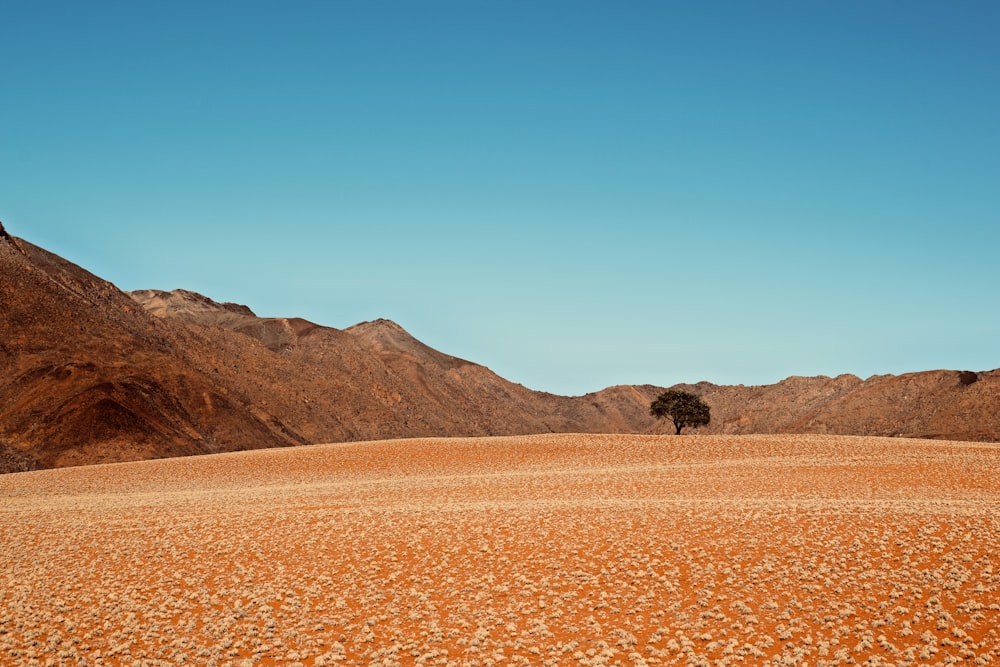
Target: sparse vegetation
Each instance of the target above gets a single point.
(543, 550)
(965, 378)
(682, 408)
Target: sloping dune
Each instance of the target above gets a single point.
(542, 550)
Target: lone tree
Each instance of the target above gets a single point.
(682, 408)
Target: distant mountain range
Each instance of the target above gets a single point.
(92, 374)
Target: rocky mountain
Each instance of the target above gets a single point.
(88, 376)
(940, 404)
(91, 374)
(374, 380)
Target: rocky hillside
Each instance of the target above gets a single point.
(90, 374)
(86, 375)
(941, 404)
(374, 380)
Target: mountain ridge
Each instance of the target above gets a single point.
(92, 374)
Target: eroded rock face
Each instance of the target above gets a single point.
(10, 240)
(87, 376)
(14, 460)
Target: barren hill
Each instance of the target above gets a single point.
(375, 380)
(91, 374)
(88, 376)
(940, 404)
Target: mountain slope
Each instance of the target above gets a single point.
(91, 374)
(87, 376)
(941, 404)
(427, 388)
(372, 380)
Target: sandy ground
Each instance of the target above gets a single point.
(544, 550)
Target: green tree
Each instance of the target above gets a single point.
(681, 407)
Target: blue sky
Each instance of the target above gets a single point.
(575, 194)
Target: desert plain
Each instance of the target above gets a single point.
(530, 550)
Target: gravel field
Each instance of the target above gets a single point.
(538, 550)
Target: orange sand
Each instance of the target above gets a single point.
(542, 550)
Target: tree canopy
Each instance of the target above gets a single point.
(681, 407)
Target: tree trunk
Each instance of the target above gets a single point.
(678, 426)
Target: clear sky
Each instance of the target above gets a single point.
(576, 194)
